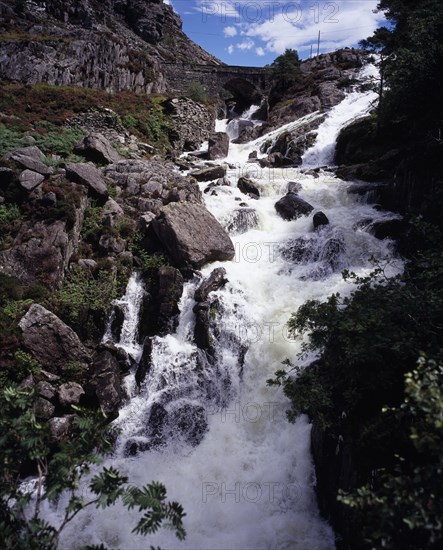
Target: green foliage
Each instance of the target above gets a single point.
(148, 263)
(197, 92)
(285, 69)
(48, 137)
(84, 300)
(404, 507)
(25, 443)
(9, 213)
(412, 64)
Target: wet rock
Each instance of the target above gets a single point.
(105, 379)
(202, 333)
(169, 294)
(294, 187)
(117, 320)
(29, 180)
(156, 422)
(89, 176)
(248, 187)
(145, 364)
(192, 236)
(51, 341)
(320, 219)
(218, 146)
(242, 220)
(209, 173)
(214, 282)
(388, 229)
(96, 148)
(291, 207)
(70, 393)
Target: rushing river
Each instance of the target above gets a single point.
(249, 483)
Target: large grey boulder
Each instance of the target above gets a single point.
(42, 251)
(291, 207)
(29, 180)
(97, 148)
(70, 393)
(209, 173)
(30, 158)
(218, 146)
(192, 236)
(51, 341)
(90, 176)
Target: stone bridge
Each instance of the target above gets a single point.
(246, 84)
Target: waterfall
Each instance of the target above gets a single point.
(129, 305)
(224, 448)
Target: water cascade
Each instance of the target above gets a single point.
(224, 448)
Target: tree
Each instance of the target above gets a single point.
(412, 54)
(285, 69)
(25, 446)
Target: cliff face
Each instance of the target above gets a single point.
(116, 45)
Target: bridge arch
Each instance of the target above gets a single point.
(244, 92)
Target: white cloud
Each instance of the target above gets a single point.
(230, 49)
(247, 44)
(260, 51)
(229, 32)
(351, 22)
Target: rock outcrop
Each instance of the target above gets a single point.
(218, 146)
(123, 45)
(192, 236)
(51, 341)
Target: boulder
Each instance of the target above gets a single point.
(209, 173)
(109, 244)
(42, 250)
(218, 146)
(97, 148)
(60, 427)
(169, 293)
(192, 236)
(248, 187)
(276, 160)
(291, 207)
(29, 180)
(44, 409)
(50, 340)
(320, 219)
(105, 379)
(30, 158)
(89, 176)
(216, 280)
(70, 393)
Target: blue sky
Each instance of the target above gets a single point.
(255, 32)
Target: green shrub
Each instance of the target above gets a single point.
(197, 92)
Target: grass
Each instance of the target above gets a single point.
(40, 110)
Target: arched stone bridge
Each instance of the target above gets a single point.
(244, 83)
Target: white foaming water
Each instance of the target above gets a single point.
(249, 484)
(130, 305)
